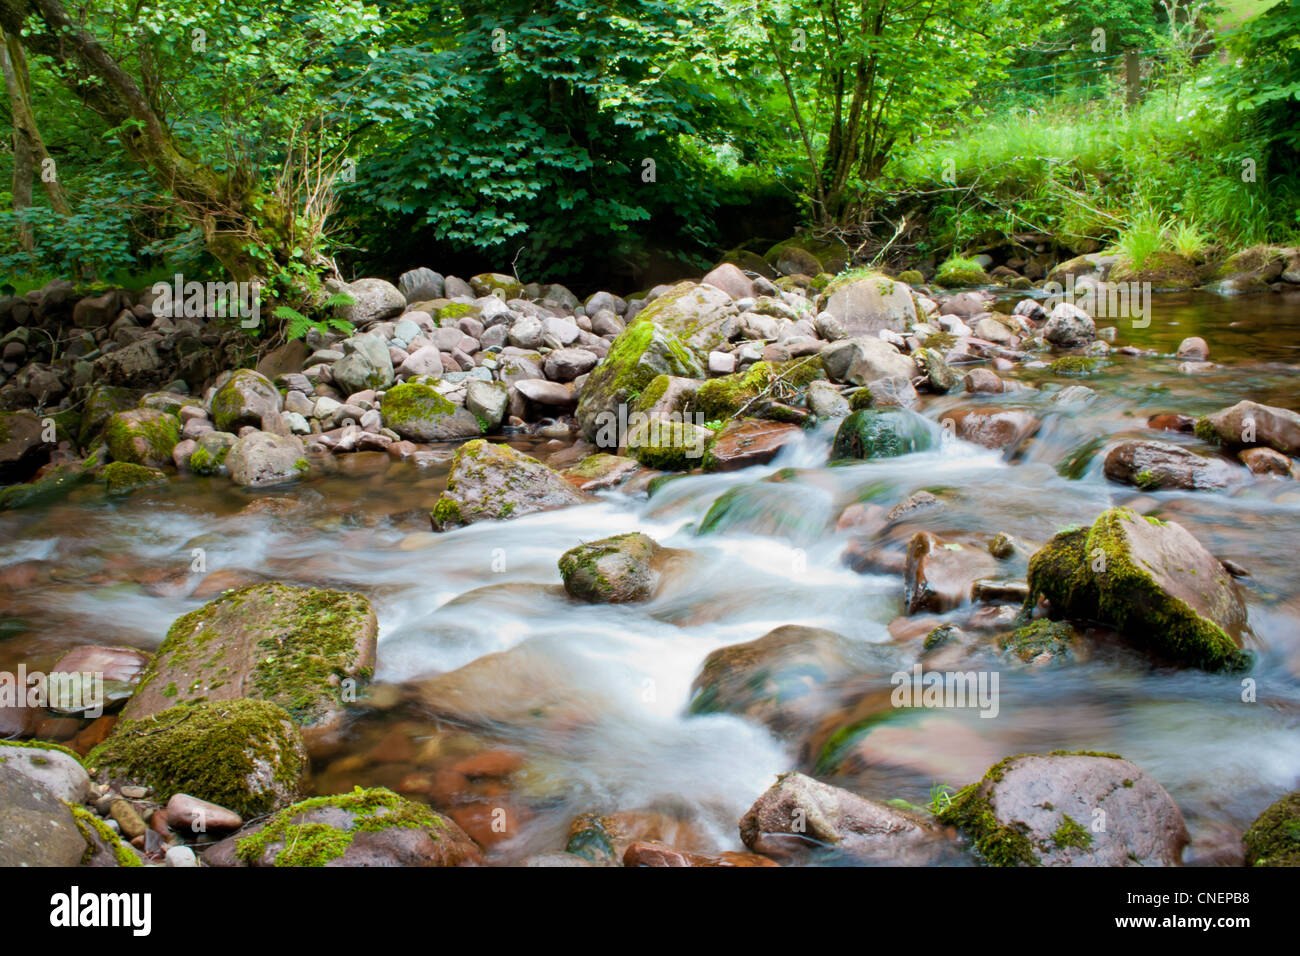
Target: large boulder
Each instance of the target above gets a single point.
(860, 361)
(420, 285)
(1068, 326)
(730, 280)
(748, 441)
(1250, 423)
(418, 412)
(306, 649)
(373, 299)
(798, 815)
(668, 445)
(246, 755)
(245, 398)
(616, 570)
(1002, 429)
(1149, 579)
(38, 827)
(48, 765)
(261, 458)
(1069, 809)
(496, 482)
(641, 353)
(366, 364)
(143, 436)
(1157, 465)
(701, 316)
(363, 828)
(22, 448)
(864, 307)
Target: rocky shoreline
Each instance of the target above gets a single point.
(712, 376)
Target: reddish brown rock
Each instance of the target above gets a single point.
(191, 814)
(1266, 461)
(939, 575)
(1002, 429)
(750, 441)
(1172, 422)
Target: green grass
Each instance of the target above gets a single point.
(1144, 235)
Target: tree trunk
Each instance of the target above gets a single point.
(23, 159)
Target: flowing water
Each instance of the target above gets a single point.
(588, 705)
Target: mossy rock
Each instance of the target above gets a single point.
(374, 827)
(641, 353)
(1164, 270)
(959, 272)
(1074, 365)
(121, 478)
(881, 433)
(418, 412)
(668, 445)
(245, 398)
(103, 846)
(912, 277)
(498, 284)
(304, 649)
(102, 402)
(209, 458)
(54, 485)
(1274, 839)
(496, 482)
(1041, 641)
(245, 755)
(143, 436)
(615, 570)
(700, 316)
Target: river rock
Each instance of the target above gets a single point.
(22, 449)
(864, 307)
(374, 299)
(939, 376)
(57, 771)
(616, 570)
(939, 574)
(799, 815)
(1002, 429)
(143, 436)
(1193, 349)
(668, 445)
(600, 471)
(640, 354)
(193, 815)
(1156, 465)
(243, 754)
(245, 398)
(292, 646)
(730, 280)
(1266, 461)
(1250, 423)
(748, 441)
(1069, 810)
(881, 433)
(487, 401)
(862, 360)
(1274, 838)
(564, 365)
(552, 395)
(419, 412)
(495, 482)
(366, 363)
(38, 828)
(420, 285)
(1149, 579)
(260, 458)
(1068, 326)
(701, 316)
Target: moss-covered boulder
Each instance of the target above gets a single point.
(600, 471)
(1150, 580)
(863, 305)
(143, 436)
(246, 755)
(882, 433)
(102, 402)
(245, 398)
(668, 445)
(1068, 809)
(1274, 839)
(616, 570)
(55, 482)
(701, 316)
(666, 395)
(498, 284)
(491, 482)
(209, 455)
(307, 650)
(959, 272)
(260, 459)
(642, 352)
(418, 412)
(122, 478)
(1043, 642)
(1160, 465)
(373, 827)
(1164, 270)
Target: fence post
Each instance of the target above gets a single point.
(1133, 77)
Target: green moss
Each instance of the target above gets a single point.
(455, 310)
(999, 844)
(651, 394)
(446, 513)
(957, 271)
(911, 277)
(316, 844)
(1074, 365)
(1071, 834)
(858, 274)
(938, 637)
(1040, 637)
(668, 445)
(302, 466)
(238, 753)
(91, 826)
(860, 399)
(1274, 838)
(1059, 571)
(122, 478)
(1205, 431)
(160, 432)
(41, 745)
(413, 402)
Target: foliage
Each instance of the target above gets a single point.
(297, 325)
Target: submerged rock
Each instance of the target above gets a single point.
(1069, 809)
(939, 574)
(243, 754)
(373, 827)
(295, 647)
(496, 482)
(1149, 579)
(798, 815)
(616, 570)
(882, 433)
